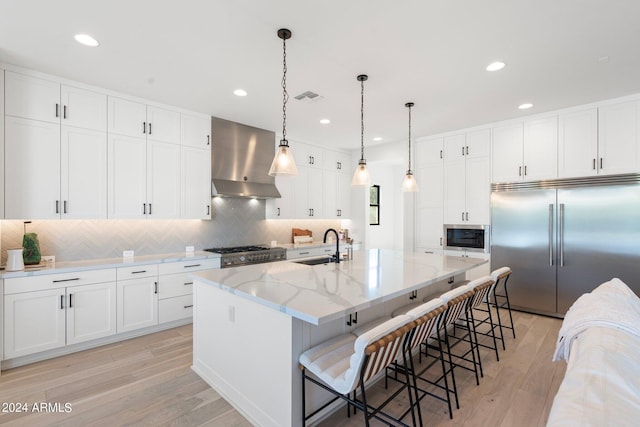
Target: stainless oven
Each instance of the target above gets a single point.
(465, 237)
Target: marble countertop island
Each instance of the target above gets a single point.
(325, 292)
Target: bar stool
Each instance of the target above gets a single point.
(427, 317)
(501, 276)
(346, 362)
(482, 288)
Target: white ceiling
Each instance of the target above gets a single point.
(194, 53)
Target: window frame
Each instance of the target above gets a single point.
(374, 205)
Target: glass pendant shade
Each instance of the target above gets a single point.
(361, 177)
(409, 185)
(283, 163)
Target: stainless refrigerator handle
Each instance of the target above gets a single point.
(561, 234)
(551, 234)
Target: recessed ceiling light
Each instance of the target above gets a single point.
(325, 121)
(377, 138)
(86, 40)
(495, 66)
(525, 106)
(240, 92)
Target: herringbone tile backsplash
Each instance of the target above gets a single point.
(235, 222)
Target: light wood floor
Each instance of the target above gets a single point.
(148, 381)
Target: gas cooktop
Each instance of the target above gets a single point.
(243, 255)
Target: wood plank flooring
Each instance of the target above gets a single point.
(147, 381)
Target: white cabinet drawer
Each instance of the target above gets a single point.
(173, 285)
(60, 280)
(175, 308)
(186, 266)
(310, 252)
(137, 271)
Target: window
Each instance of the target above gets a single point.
(374, 205)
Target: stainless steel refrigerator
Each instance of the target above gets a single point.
(563, 238)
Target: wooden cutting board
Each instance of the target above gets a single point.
(300, 232)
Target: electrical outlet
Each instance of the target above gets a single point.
(127, 254)
(189, 249)
(48, 258)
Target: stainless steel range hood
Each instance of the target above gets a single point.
(241, 156)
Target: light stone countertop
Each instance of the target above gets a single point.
(97, 264)
(322, 293)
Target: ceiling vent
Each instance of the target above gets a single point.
(309, 96)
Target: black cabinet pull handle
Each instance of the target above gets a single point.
(144, 127)
(149, 208)
(70, 300)
(149, 128)
(139, 271)
(440, 153)
(350, 321)
(208, 210)
(462, 218)
(519, 170)
(594, 164)
(208, 140)
(155, 287)
(278, 212)
(188, 283)
(61, 302)
(355, 317)
(64, 207)
(66, 280)
(467, 150)
(57, 110)
(64, 112)
(188, 306)
(144, 209)
(600, 162)
(463, 151)
(304, 253)
(525, 170)
(467, 216)
(57, 206)
(192, 266)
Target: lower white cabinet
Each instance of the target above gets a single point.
(137, 303)
(40, 313)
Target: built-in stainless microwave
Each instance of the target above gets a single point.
(465, 237)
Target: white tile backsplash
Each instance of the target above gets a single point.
(235, 222)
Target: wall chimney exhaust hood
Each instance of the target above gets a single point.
(241, 156)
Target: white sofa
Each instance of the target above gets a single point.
(600, 340)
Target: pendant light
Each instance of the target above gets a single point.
(409, 184)
(361, 177)
(283, 163)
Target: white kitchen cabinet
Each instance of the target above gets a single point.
(307, 155)
(196, 183)
(618, 142)
(137, 297)
(282, 208)
(50, 129)
(32, 169)
(1, 163)
(127, 177)
(175, 288)
(308, 190)
(540, 149)
(83, 169)
(163, 180)
(34, 322)
(337, 185)
(143, 121)
(526, 151)
(578, 144)
(41, 313)
(507, 153)
(195, 131)
(91, 312)
(467, 178)
(429, 200)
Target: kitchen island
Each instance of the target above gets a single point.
(251, 323)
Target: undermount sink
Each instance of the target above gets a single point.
(315, 261)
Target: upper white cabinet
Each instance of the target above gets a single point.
(467, 177)
(195, 131)
(540, 149)
(429, 200)
(618, 143)
(578, 144)
(163, 180)
(143, 121)
(525, 151)
(55, 146)
(127, 183)
(196, 183)
(321, 190)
